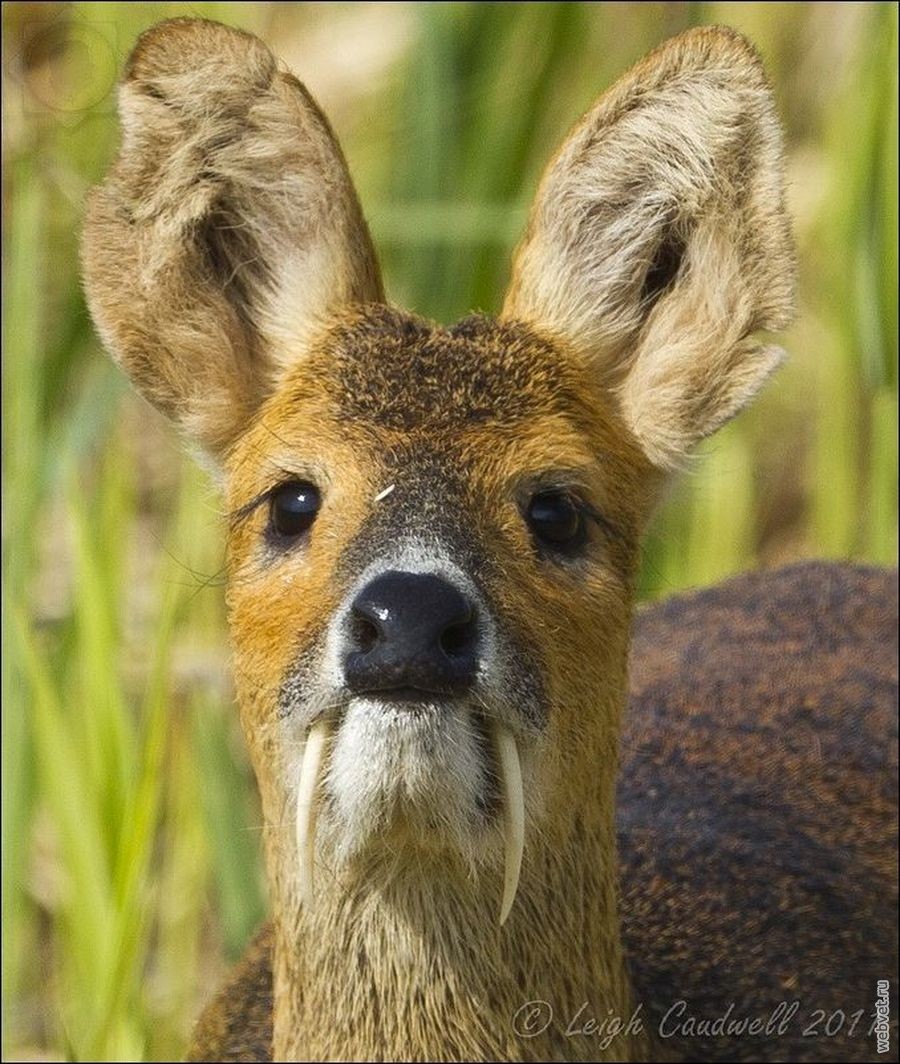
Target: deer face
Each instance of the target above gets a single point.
(434, 531)
(466, 502)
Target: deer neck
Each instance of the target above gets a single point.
(405, 959)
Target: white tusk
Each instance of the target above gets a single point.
(514, 815)
(310, 767)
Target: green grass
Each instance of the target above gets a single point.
(130, 830)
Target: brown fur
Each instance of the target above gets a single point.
(230, 271)
(748, 865)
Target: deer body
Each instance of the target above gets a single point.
(434, 532)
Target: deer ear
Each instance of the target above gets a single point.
(659, 243)
(226, 231)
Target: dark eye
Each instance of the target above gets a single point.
(294, 507)
(555, 518)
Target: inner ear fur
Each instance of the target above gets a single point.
(659, 243)
(227, 230)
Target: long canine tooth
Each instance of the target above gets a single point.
(514, 815)
(313, 755)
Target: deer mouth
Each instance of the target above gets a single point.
(506, 799)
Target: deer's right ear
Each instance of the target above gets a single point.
(659, 243)
(226, 231)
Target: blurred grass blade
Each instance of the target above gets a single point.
(64, 786)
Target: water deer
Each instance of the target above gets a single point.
(473, 851)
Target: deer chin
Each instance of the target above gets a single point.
(400, 778)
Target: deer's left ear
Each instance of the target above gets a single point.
(659, 243)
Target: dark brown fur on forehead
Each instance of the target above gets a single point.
(400, 372)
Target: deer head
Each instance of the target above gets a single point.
(434, 532)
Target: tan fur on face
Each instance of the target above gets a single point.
(280, 603)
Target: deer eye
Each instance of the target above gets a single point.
(293, 508)
(555, 519)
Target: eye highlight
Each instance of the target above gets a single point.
(556, 519)
(293, 507)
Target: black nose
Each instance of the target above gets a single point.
(411, 633)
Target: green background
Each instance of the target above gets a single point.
(131, 833)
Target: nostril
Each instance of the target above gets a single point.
(456, 640)
(411, 631)
(364, 634)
